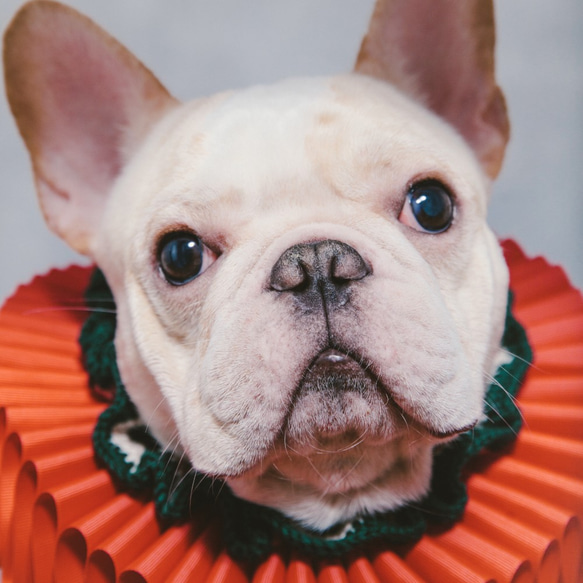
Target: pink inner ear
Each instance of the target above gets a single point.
(84, 110)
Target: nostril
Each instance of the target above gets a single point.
(288, 276)
(348, 266)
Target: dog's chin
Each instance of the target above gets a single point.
(346, 449)
(327, 488)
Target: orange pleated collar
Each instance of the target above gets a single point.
(62, 519)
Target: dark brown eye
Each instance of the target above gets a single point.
(429, 207)
(182, 257)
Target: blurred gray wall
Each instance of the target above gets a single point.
(198, 47)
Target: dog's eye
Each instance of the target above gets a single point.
(429, 207)
(182, 256)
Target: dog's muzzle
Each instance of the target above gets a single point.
(319, 279)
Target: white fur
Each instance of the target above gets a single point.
(223, 342)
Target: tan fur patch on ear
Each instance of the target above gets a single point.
(495, 113)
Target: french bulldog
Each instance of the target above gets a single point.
(309, 299)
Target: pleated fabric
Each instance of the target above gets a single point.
(61, 518)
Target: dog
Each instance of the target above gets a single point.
(309, 299)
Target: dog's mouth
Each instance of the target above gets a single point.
(339, 365)
(341, 400)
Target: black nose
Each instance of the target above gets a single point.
(316, 272)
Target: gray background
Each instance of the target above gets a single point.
(198, 47)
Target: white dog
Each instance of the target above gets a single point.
(308, 296)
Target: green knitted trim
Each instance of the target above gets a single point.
(250, 531)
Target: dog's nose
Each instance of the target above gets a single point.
(316, 271)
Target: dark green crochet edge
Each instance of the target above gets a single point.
(251, 532)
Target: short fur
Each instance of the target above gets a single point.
(322, 409)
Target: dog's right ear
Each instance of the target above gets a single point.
(441, 52)
(82, 103)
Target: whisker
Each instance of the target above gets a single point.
(221, 487)
(172, 444)
(69, 309)
(512, 398)
(501, 416)
(345, 476)
(286, 446)
(352, 445)
(518, 357)
(149, 421)
(316, 470)
(280, 475)
(174, 487)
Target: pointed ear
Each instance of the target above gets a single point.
(442, 53)
(82, 103)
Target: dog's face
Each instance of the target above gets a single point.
(309, 298)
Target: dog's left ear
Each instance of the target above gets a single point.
(442, 53)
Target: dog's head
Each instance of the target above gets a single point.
(309, 298)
